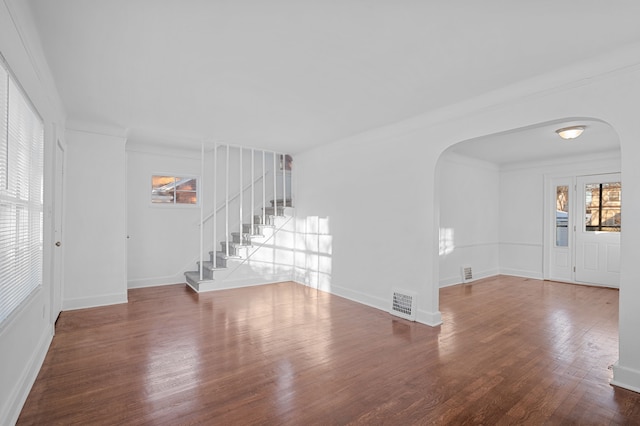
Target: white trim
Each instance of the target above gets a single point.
(94, 301)
(165, 151)
(491, 243)
(464, 160)
(448, 282)
(95, 128)
(213, 285)
(358, 297)
(432, 319)
(595, 158)
(521, 273)
(626, 377)
(520, 244)
(156, 281)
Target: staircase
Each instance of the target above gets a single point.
(247, 258)
(250, 238)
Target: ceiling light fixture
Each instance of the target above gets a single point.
(570, 132)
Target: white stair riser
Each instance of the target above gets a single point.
(241, 249)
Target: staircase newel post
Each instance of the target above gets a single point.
(264, 190)
(215, 205)
(284, 181)
(226, 204)
(241, 197)
(253, 162)
(275, 187)
(201, 189)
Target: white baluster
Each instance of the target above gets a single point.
(226, 205)
(264, 191)
(199, 195)
(215, 205)
(275, 187)
(241, 196)
(252, 188)
(284, 182)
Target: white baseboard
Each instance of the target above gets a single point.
(156, 281)
(11, 410)
(359, 297)
(243, 282)
(447, 282)
(95, 301)
(625, 377)
(535, 275)
(432, 319)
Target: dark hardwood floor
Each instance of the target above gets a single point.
(510, 351)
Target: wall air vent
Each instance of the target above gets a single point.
(403, 304)
(467, 274)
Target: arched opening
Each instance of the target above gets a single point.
(497, 201)
(496, 211)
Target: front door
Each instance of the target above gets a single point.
(597, 229)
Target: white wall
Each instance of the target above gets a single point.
(25, 336)
(522, 208)
(164, 240)
(470, 213)
(521, 218)
(499, 231)
(95, 231)
(379, 189)
(371, 200)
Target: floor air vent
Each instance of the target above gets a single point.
(403, 304)
(467, 274)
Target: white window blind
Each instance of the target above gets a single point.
(21, 198)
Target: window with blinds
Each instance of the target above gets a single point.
(21, 198)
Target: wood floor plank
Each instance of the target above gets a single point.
(510, 351)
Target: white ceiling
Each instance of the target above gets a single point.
(289, 75)
(541, 142)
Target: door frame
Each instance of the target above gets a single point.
(549, 216)
(550, 249)
(598, 277)
(59, 184)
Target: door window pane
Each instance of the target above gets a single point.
(562, 216)
(602, 207)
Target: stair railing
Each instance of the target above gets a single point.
(214, 214)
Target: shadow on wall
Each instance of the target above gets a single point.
(312, 252)
(446, 245)
(300, 250)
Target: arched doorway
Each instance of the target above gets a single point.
(496, 200)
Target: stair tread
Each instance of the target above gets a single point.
(248, 235)
(236, 245)
(209, 265)
(195, 276)
(224, 255)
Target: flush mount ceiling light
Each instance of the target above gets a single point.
(570, 132)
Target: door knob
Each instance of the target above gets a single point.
(58, 243)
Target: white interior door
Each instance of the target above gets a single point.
(58, 250)
(597, 229)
